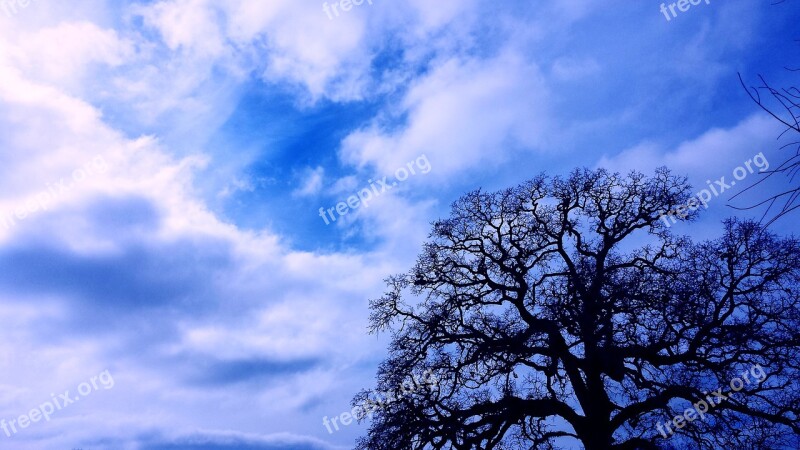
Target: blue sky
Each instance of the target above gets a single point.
(199, 140)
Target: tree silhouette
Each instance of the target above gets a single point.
(564, 313)
(783, 104)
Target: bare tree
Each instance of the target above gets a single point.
(783, 104)
(563, 312)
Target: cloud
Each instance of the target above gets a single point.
(249, 370)
(712, 154)
(312, 183)
(189, 25)
(130, 270)
(81, 45)
(461, 115)
(216, 440)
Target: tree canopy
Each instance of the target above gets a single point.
(564, 313)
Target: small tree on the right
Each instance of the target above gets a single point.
(783, 104)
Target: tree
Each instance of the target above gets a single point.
(564, 312)
(783, 104)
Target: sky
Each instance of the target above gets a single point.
(177, 251)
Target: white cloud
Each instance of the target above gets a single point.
(145, 208)
(187, 24)
(312, 182)
(64, 53)
(463, 115)
(712, 154)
